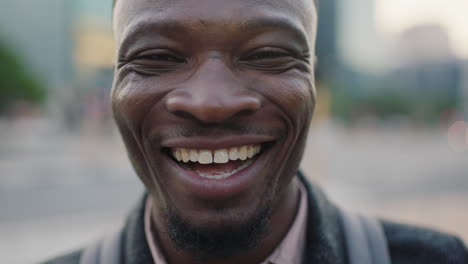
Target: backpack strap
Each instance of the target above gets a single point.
(104, 251)
(365, 239)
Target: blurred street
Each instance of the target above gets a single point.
(59, 191)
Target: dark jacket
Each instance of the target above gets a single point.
(325, 242)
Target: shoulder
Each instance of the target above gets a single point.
(411, 244)
(71, 258)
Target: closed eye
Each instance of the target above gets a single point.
(154, 62)
(266, 55)
(160, 57)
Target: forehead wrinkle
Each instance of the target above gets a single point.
(158, 21)
(170, 26)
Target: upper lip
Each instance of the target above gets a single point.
(215, 143)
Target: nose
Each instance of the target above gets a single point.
(212, 95)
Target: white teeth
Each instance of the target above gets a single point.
(205, 157)
(234, 154)
(221, 156)
(185, 155)
(193, 155)
(177, 155)
(243, 153)
(250, 152)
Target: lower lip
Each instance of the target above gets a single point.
(205, 188)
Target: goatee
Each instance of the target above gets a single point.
(225, 240)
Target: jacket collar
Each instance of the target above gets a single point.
(324, 238)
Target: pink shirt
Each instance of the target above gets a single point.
(289, 251)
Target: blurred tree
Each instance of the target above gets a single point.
(17, 82)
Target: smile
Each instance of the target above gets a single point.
(219, 168)
(216, 164)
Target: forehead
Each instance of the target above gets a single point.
(131, 14)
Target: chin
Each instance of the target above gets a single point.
(220, 233)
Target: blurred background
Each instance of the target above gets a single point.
(389, 137)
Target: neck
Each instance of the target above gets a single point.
(281, 219)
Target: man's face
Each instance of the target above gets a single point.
(213, 100)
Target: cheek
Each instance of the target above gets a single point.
(298, 99)
(124, 98)
(126, 101)
(294, 95)
(132, 99)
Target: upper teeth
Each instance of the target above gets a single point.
(205, 156)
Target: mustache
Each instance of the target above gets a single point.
(215, 131)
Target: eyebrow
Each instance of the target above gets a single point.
(168, 26)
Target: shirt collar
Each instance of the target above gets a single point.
(291, 248)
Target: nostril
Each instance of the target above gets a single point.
(246, 112)
(213, 107)
(184, 114)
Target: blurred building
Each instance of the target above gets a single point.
(68, 44)
(93, 56)
(361, 46)
(424, 44)
(326, 46)
(427, 64)
(94, 45)
(413, 75)
(464, 84)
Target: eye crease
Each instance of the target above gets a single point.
(160, 57)
(266, 55)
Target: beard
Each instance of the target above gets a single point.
(224, 240)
